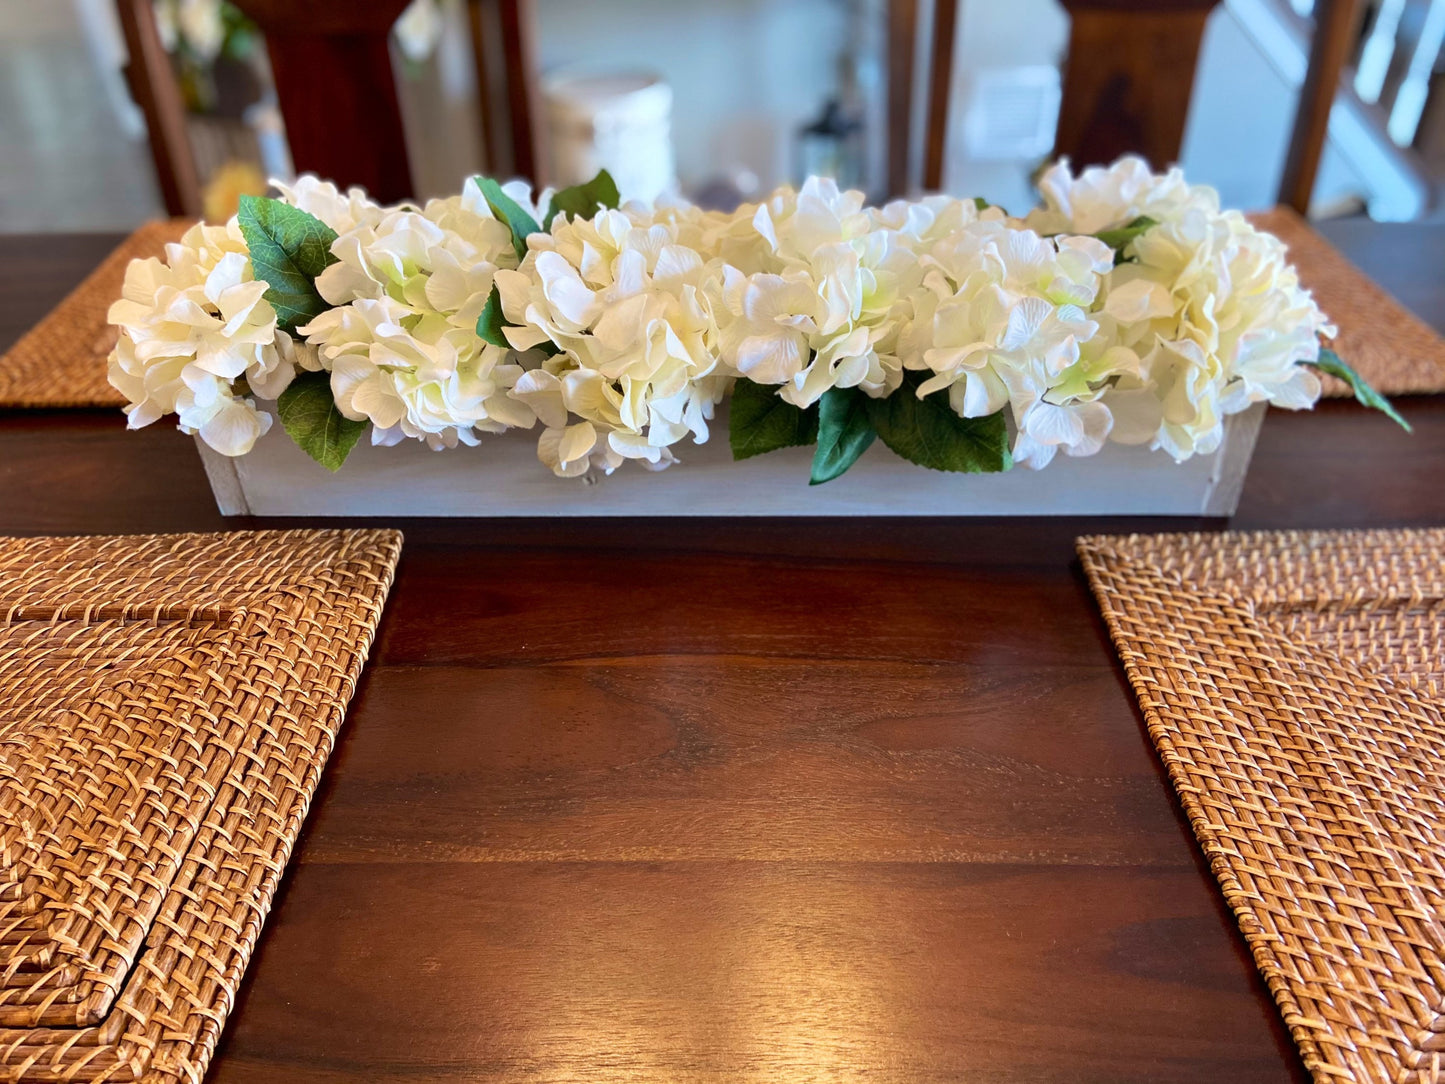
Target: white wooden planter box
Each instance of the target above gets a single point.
(502, 477)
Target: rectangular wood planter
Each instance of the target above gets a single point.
(502, 477)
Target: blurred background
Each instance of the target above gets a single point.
(115, 111)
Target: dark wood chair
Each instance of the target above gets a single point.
(1129, 78)
(504, 36)
(1126, 84)
(331, 61)
(154, 88)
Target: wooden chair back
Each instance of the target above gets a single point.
(1126, 83)
(154, 88)
(331, 62)
(1129, 78)
(504, 38)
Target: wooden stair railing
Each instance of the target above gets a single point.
(1336, 28)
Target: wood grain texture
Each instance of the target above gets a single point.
(940, 89)
(902, 50)
(331, 64)
(1128, 78)
(478, 33)
(517, 22)
(745, 800)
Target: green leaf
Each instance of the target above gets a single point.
(509, 211)
(981, 204)
(309, 414)
(582, 200)
(844, 433)
(1332, 363)
(1119, 239)
(927, 431)
(491, 321)
(289, 248)
(758, 421)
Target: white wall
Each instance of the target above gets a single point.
(996, 34)
(1239, 123)
(71, 155)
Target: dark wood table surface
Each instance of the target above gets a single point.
(744, 800)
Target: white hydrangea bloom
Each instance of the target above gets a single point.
(1108, 197)
(400, 341)
(810, 285)
(930, 219)
(624, 314)
(627, 327)
(1207, 303)
(342, 211)
(190, 327)
(999, 321)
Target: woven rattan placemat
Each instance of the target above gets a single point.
(1390, 346)
(167, 704)
(1292, 682)
(60, 362)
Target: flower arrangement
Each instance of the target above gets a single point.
(1128, 308)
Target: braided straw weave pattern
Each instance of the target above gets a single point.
(60, 362)
(1291, 683)
(167, 704)
(1387, 344)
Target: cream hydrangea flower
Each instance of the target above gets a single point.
(342, 211)
(193, 325)
(1208, 304)
(999, 321)
(1221, 322)
(1108, 197)
(810, 287)
(627, 327)
(400, 341)
(416, 375)
(620, 317)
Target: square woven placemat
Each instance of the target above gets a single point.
(1391, 347)
(60, 362)
(1291, 683)
(167, 704)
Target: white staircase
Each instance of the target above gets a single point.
(1376, 122)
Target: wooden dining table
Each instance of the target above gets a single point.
(745, 799)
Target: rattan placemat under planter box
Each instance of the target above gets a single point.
(61, 361)
(502, 477)
(1292, 684)
(167, 704)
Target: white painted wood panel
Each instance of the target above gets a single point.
(502, 477)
